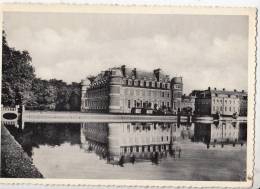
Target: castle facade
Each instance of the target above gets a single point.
(120, 89)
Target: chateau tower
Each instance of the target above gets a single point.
(177, 91)
(85, 84)
(114, 88)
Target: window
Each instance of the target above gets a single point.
(162, 94)
(135, 103)
(137, 92)
(230, 109)
(142, 83)
(225, 108)
(176, 86)
(163, 85)
(129, 103)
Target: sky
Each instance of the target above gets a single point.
(205, 50)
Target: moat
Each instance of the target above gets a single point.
(137, 150)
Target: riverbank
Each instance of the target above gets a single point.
(77, 117)
(15, 163)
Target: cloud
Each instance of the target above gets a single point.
(202, 59)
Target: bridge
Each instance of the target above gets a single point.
(10, 115)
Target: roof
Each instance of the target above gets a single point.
(127, 72)
(209, 92)
(141, 74)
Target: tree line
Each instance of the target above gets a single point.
(20, 85)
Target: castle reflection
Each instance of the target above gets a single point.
(129, 142)
(220, 133)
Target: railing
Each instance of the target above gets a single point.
(10, 110)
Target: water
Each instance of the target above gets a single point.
(170, 151)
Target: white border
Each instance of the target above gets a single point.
(251, 12)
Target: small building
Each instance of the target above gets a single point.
(122, 89)
(188, 104)
(226, 103)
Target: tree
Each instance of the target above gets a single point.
(17, 75)
(20, 85)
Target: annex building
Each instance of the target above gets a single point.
(227, 103)
(120, 89)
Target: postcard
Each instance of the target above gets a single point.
(127, 95)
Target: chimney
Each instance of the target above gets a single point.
(91, 78)
(157, 73)
(243, 91)
(224, 89)
(134, 72)
(209, 88)
(123, 70)
(235, 90)
(215, 88)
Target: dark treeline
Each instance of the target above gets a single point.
(20, 86)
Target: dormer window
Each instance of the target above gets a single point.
(147, 83)
(129, 82)
(153, 84)
(142, 83)
(163, 85)
(136, 83)
(158, 85)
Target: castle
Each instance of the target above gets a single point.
(122, 89)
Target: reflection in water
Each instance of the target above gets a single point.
(127, 142)
(222, 133)
(171, 146)
(35, 134)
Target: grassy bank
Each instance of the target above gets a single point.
(15, 163)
